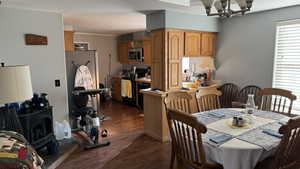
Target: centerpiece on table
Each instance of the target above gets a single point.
(244, 121)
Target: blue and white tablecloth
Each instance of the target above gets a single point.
(247, 146)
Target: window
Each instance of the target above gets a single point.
(286, 73)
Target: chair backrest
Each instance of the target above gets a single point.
(276, 100)
(229, 93)
(251, 89)
(208, 100)
(186, 136)
(180, 101)
(287, 155)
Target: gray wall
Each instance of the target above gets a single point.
(155, 20)
(245, 49)
(179, 20)
(104, 45)
(47, 63)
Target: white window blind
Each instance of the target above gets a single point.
(286, 73)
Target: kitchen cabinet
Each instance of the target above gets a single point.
(116, 89)
(124, 46)
(168, 48)
(147, 52)
(192, 44)
(208, 43)
(123, 52)
(69, 40)
(175, 52)
(167, 53)
(157, 61)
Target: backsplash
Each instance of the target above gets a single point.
(193, 64)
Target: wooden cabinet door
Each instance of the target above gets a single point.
(69, 40)
(192, 44)
(208, 44)
(116, 88)
(123, 52)
(174, 59)
(157, 62)
(147, 52)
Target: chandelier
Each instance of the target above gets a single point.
(223, 7)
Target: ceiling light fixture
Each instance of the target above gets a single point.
(223, 7)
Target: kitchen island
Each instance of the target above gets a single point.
(155, 116)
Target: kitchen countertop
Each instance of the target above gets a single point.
(163, 93)
(143, 80)
(214, 84)
(194, 85)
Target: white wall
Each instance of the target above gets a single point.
(104, 45)
(245, 49)
(47, 63)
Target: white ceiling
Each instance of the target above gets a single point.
(120, 16)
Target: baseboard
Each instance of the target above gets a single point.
(157, 137)
(63, 157)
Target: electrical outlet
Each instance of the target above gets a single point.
(57, 83)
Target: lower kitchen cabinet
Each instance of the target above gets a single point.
(116, 89)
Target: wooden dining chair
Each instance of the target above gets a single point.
(208, 100)
(186, 133)
(229, 93)
(277, 100)
(287, 155)
(242, 96)
(180, 101)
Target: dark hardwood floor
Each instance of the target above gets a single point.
(125, 118)
(129, 149)
(143, 153)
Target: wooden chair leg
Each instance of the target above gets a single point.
(172, 158)
(180, 164)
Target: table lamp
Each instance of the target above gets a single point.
(208, 64)
(15, 86)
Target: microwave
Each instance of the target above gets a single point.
(136, 55)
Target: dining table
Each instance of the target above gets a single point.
(240, 147)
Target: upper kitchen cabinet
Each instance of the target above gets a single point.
(208, 43)
(147, 51)
(135, 51)
(69, 40)
(192, 43)
(123, 52)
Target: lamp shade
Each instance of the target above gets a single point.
(15, 84)
(207, 63)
